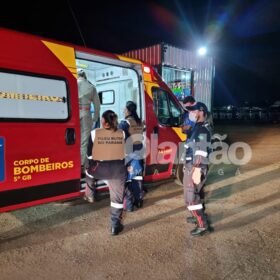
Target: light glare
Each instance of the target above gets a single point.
(147, 69)
(202, 51)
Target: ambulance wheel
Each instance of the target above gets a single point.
(180, 174)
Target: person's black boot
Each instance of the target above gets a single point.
(200, 231)
(139, 204)
(116, 230)
(88, 199)
(191, 220)
(129, 209)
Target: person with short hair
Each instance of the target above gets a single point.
(106, 156)
(188, 124)
(198, 149)
(189, 100)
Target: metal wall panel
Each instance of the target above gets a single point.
(151, 55)
(203, 67)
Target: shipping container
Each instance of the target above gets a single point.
(185, 72)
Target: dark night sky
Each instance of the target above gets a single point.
(242, 35)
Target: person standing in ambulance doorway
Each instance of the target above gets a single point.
(196, 168)
(106, 156)
(87, 95)
(133, 128)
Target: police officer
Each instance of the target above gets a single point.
(87, 95)
(106, 154)
(196, 168)
(133, 128)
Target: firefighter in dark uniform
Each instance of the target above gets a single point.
(106, 154)
(196, 167)
(133, 128)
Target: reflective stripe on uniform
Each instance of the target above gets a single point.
(188, 158)
(92, 135)
(140, 178)
(90, 176)
(201, 153)
(195, 207)
(117, 205)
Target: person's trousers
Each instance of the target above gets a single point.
(134, 184)
(114, 172)
(134, 192)
(86, 127)
(193, 194)
(91, 182)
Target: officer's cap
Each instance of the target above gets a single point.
(198, 106)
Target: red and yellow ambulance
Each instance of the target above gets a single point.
(39, 116)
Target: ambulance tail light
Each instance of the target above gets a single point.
(147, 69)
(148, 72)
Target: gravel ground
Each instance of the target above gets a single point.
(72, 241)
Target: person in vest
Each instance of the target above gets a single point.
(106, 155)
(133, 128)
(198, 148)
(87, 95)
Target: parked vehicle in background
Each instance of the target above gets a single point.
(246, 113)
(274, 111)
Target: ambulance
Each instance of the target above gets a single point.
(39, 116)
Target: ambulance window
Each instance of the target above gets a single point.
(167, 111)
(31, 97)
(175, 110)
(107, 97)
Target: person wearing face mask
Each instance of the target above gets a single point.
(198, 148)
(188, 123)
(189, 120)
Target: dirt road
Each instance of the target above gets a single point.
(72, 240)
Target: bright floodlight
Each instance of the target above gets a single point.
(202, 51)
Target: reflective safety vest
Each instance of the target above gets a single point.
(135, 130)
(108, 145)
